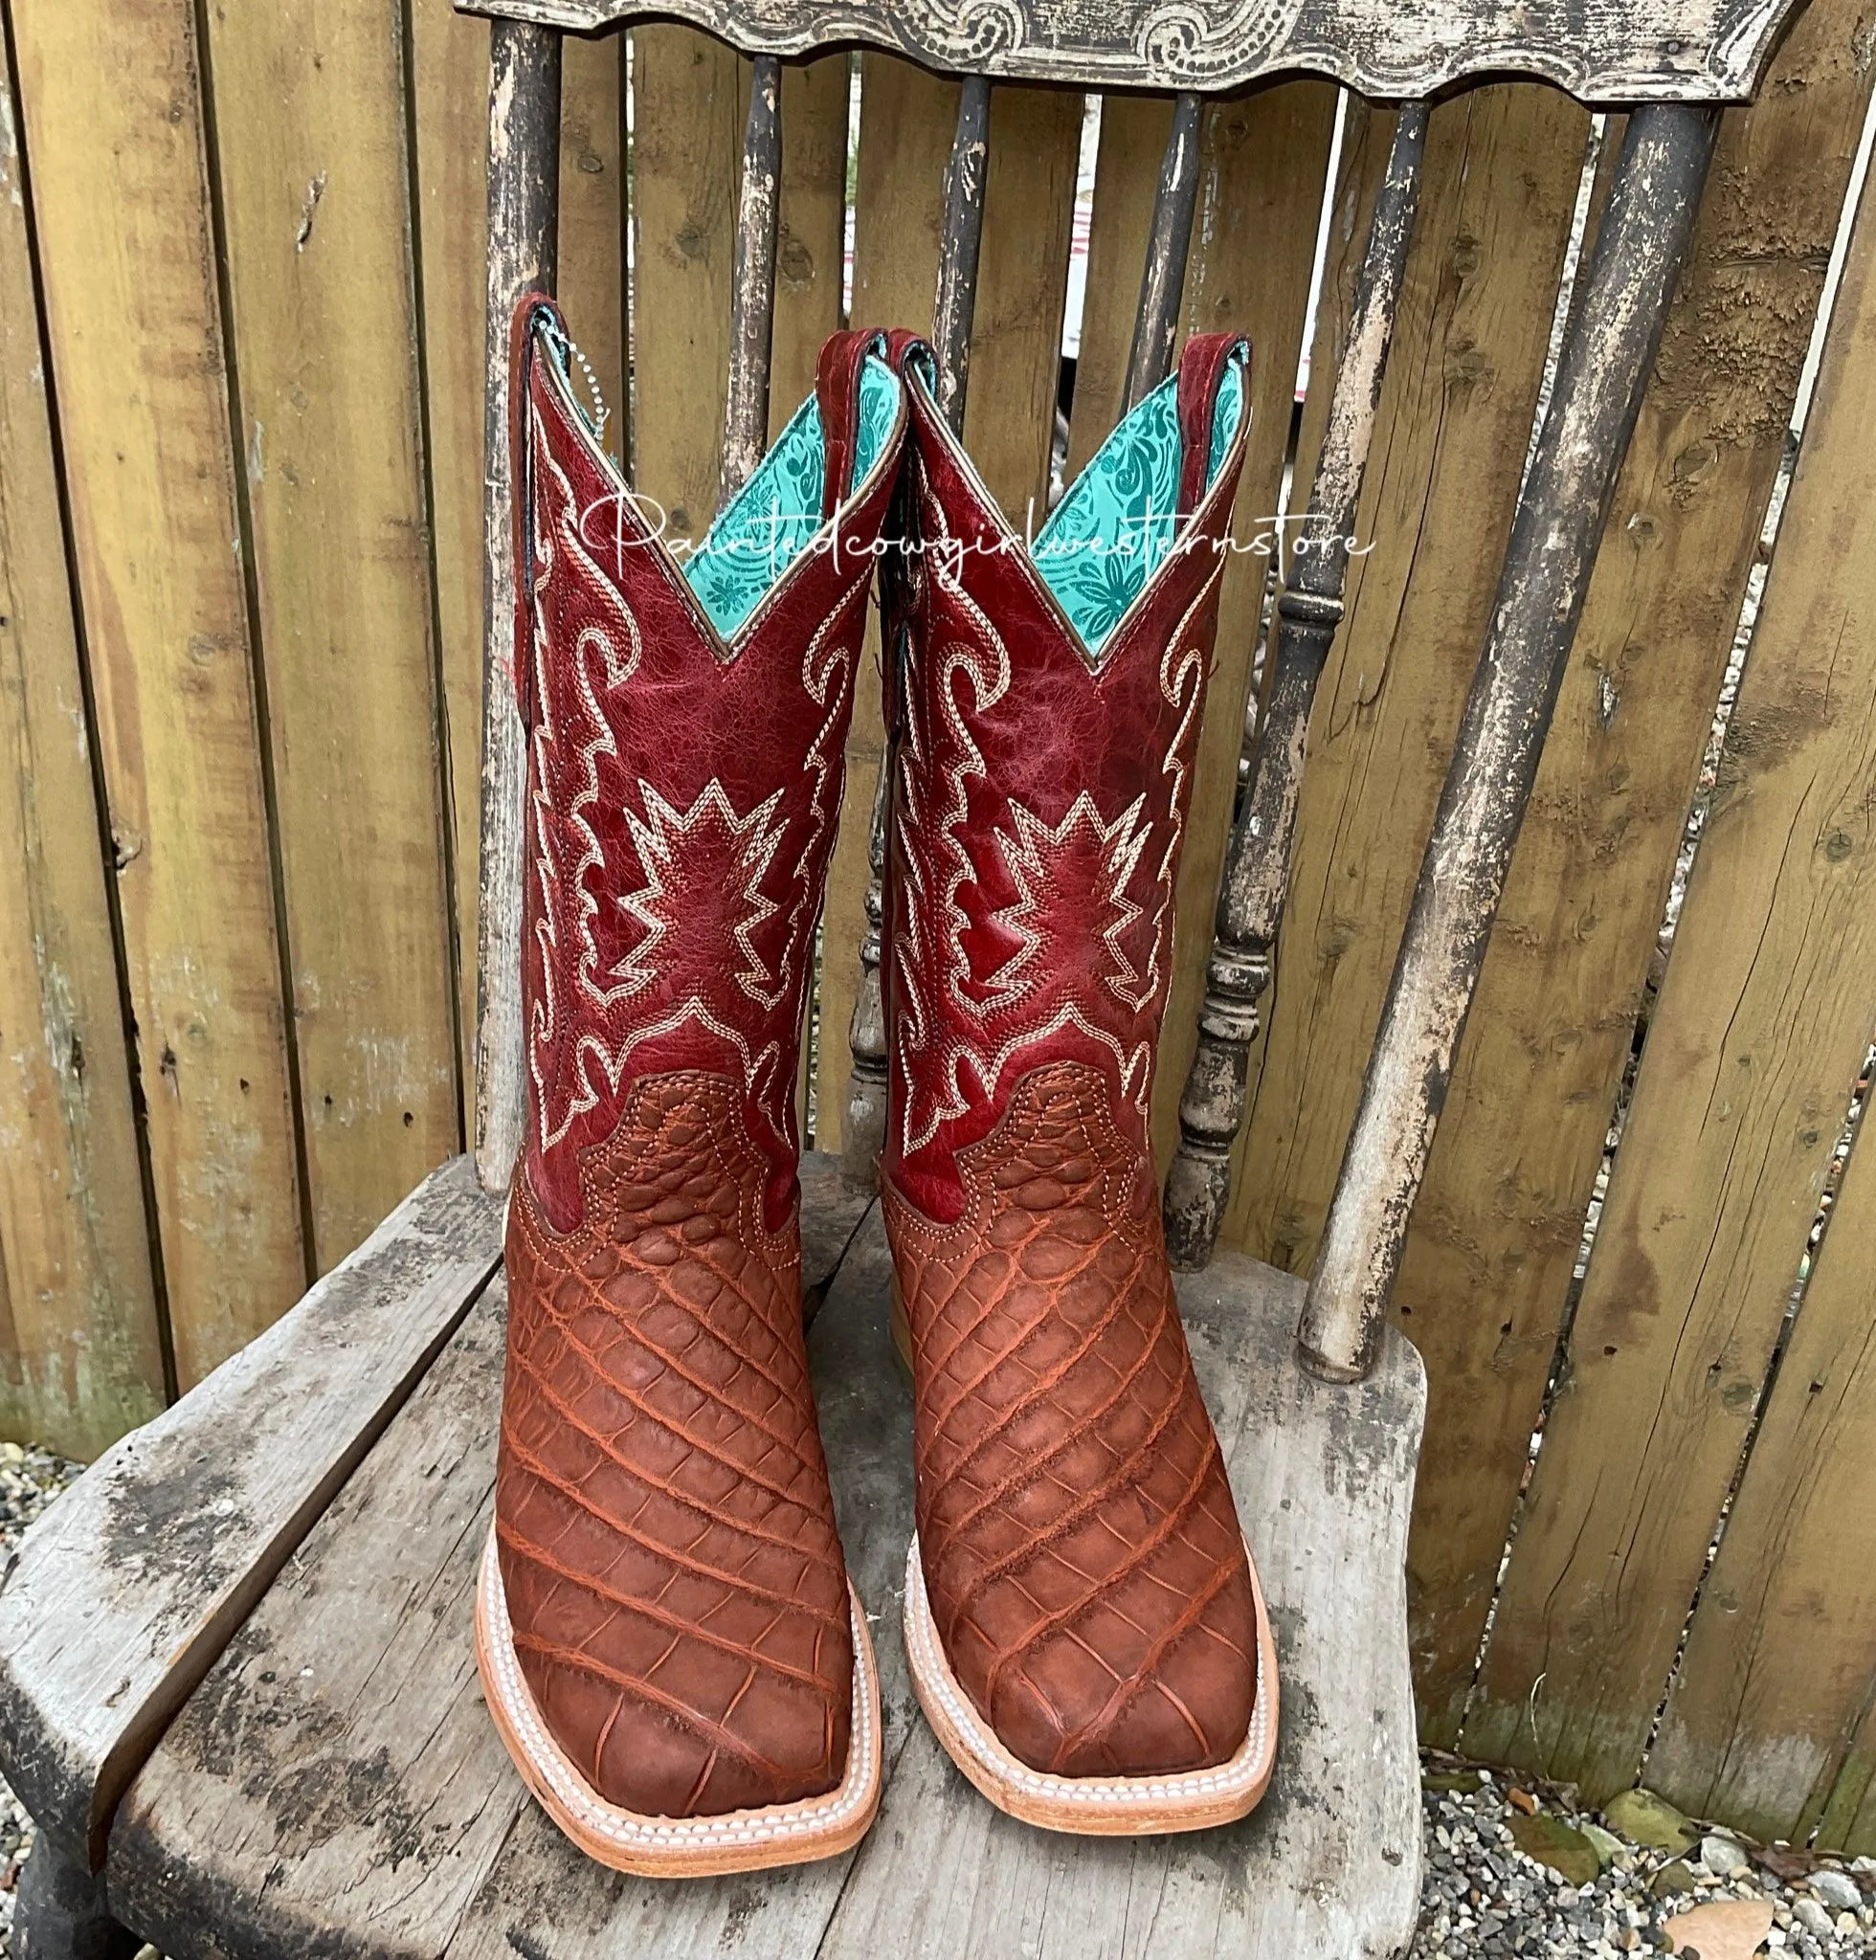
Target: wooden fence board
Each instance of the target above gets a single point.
(1254, 244)
(1133, 129)
(906, 122)
(1760, 1724)
(592, 215)
(1764, 1018)
(1502, 170)
(1493, 1247)
(811, 232)
(687, 142)
(80, 1354)
(309, 110)
(449, 89)
(113, 123)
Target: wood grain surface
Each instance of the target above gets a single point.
(334, 1781)
(120, 1599)
(112, 99)
(310, 157)
(1608, 51)
(77, 1298)
(1494, 1242)
(1502, 170)
(1760, 1032)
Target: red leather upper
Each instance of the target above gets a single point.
(683, 793)
(1085, 1569)
(675, 1588)
(1039, 801)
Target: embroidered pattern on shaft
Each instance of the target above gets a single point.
(710, 849)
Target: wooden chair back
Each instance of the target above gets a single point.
(1673, 63)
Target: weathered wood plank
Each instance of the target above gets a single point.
(810, 250)
(1759, 1034)
(1255, 878)
(120, 1599)
(1501, 175)
(83, 1358)
(1609, 51)
(449, 88)
(1022, 287)
(592, 216)
(311, 158)
(1260, 208)
(357, 1822)
(1133, 130)
(333, 1782)
(524, 242)
(1331, 1862)
(1747, 1734)
(113, 117)
(1491, 1253)
(1604, 364)
(688, 134)
(908, 120)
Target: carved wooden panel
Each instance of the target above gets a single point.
(1602, 51)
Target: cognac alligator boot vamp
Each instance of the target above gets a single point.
(668, 1640)
(1084, 1625)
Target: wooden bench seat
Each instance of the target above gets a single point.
(332, 1783)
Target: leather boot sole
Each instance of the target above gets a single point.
(654, 1847)
(1089, 1806)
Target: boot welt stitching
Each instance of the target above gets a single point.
(814, 1816)
(934, 1674)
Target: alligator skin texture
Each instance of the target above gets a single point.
(666, 1539)
(1084, 1564)
(1083, 1560)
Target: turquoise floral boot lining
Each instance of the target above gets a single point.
(1113, 529)
(769, 521)
(767, 526)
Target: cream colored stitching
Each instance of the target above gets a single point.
(1112, 1793)
(816, 1816)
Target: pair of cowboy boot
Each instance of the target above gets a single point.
(668, 1640)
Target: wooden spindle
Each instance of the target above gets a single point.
(959, 245)
(1562, 509)
(958, 250)
(1257, 869)
(752, 296)
(1168, 245)
(523, 215)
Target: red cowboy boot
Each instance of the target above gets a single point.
(667, 1637)
(1085, 1626)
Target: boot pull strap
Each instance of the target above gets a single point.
(837, 389)
(1202, 369)
(533, 311)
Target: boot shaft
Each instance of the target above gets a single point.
(1045, 722)
(687, 732)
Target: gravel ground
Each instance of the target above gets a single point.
(1515, 1870)
(1510, 1870)
(29, 1481)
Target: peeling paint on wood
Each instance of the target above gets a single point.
(1640, 250)
(1602, 51)
(1257, 872)
(524, 196)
